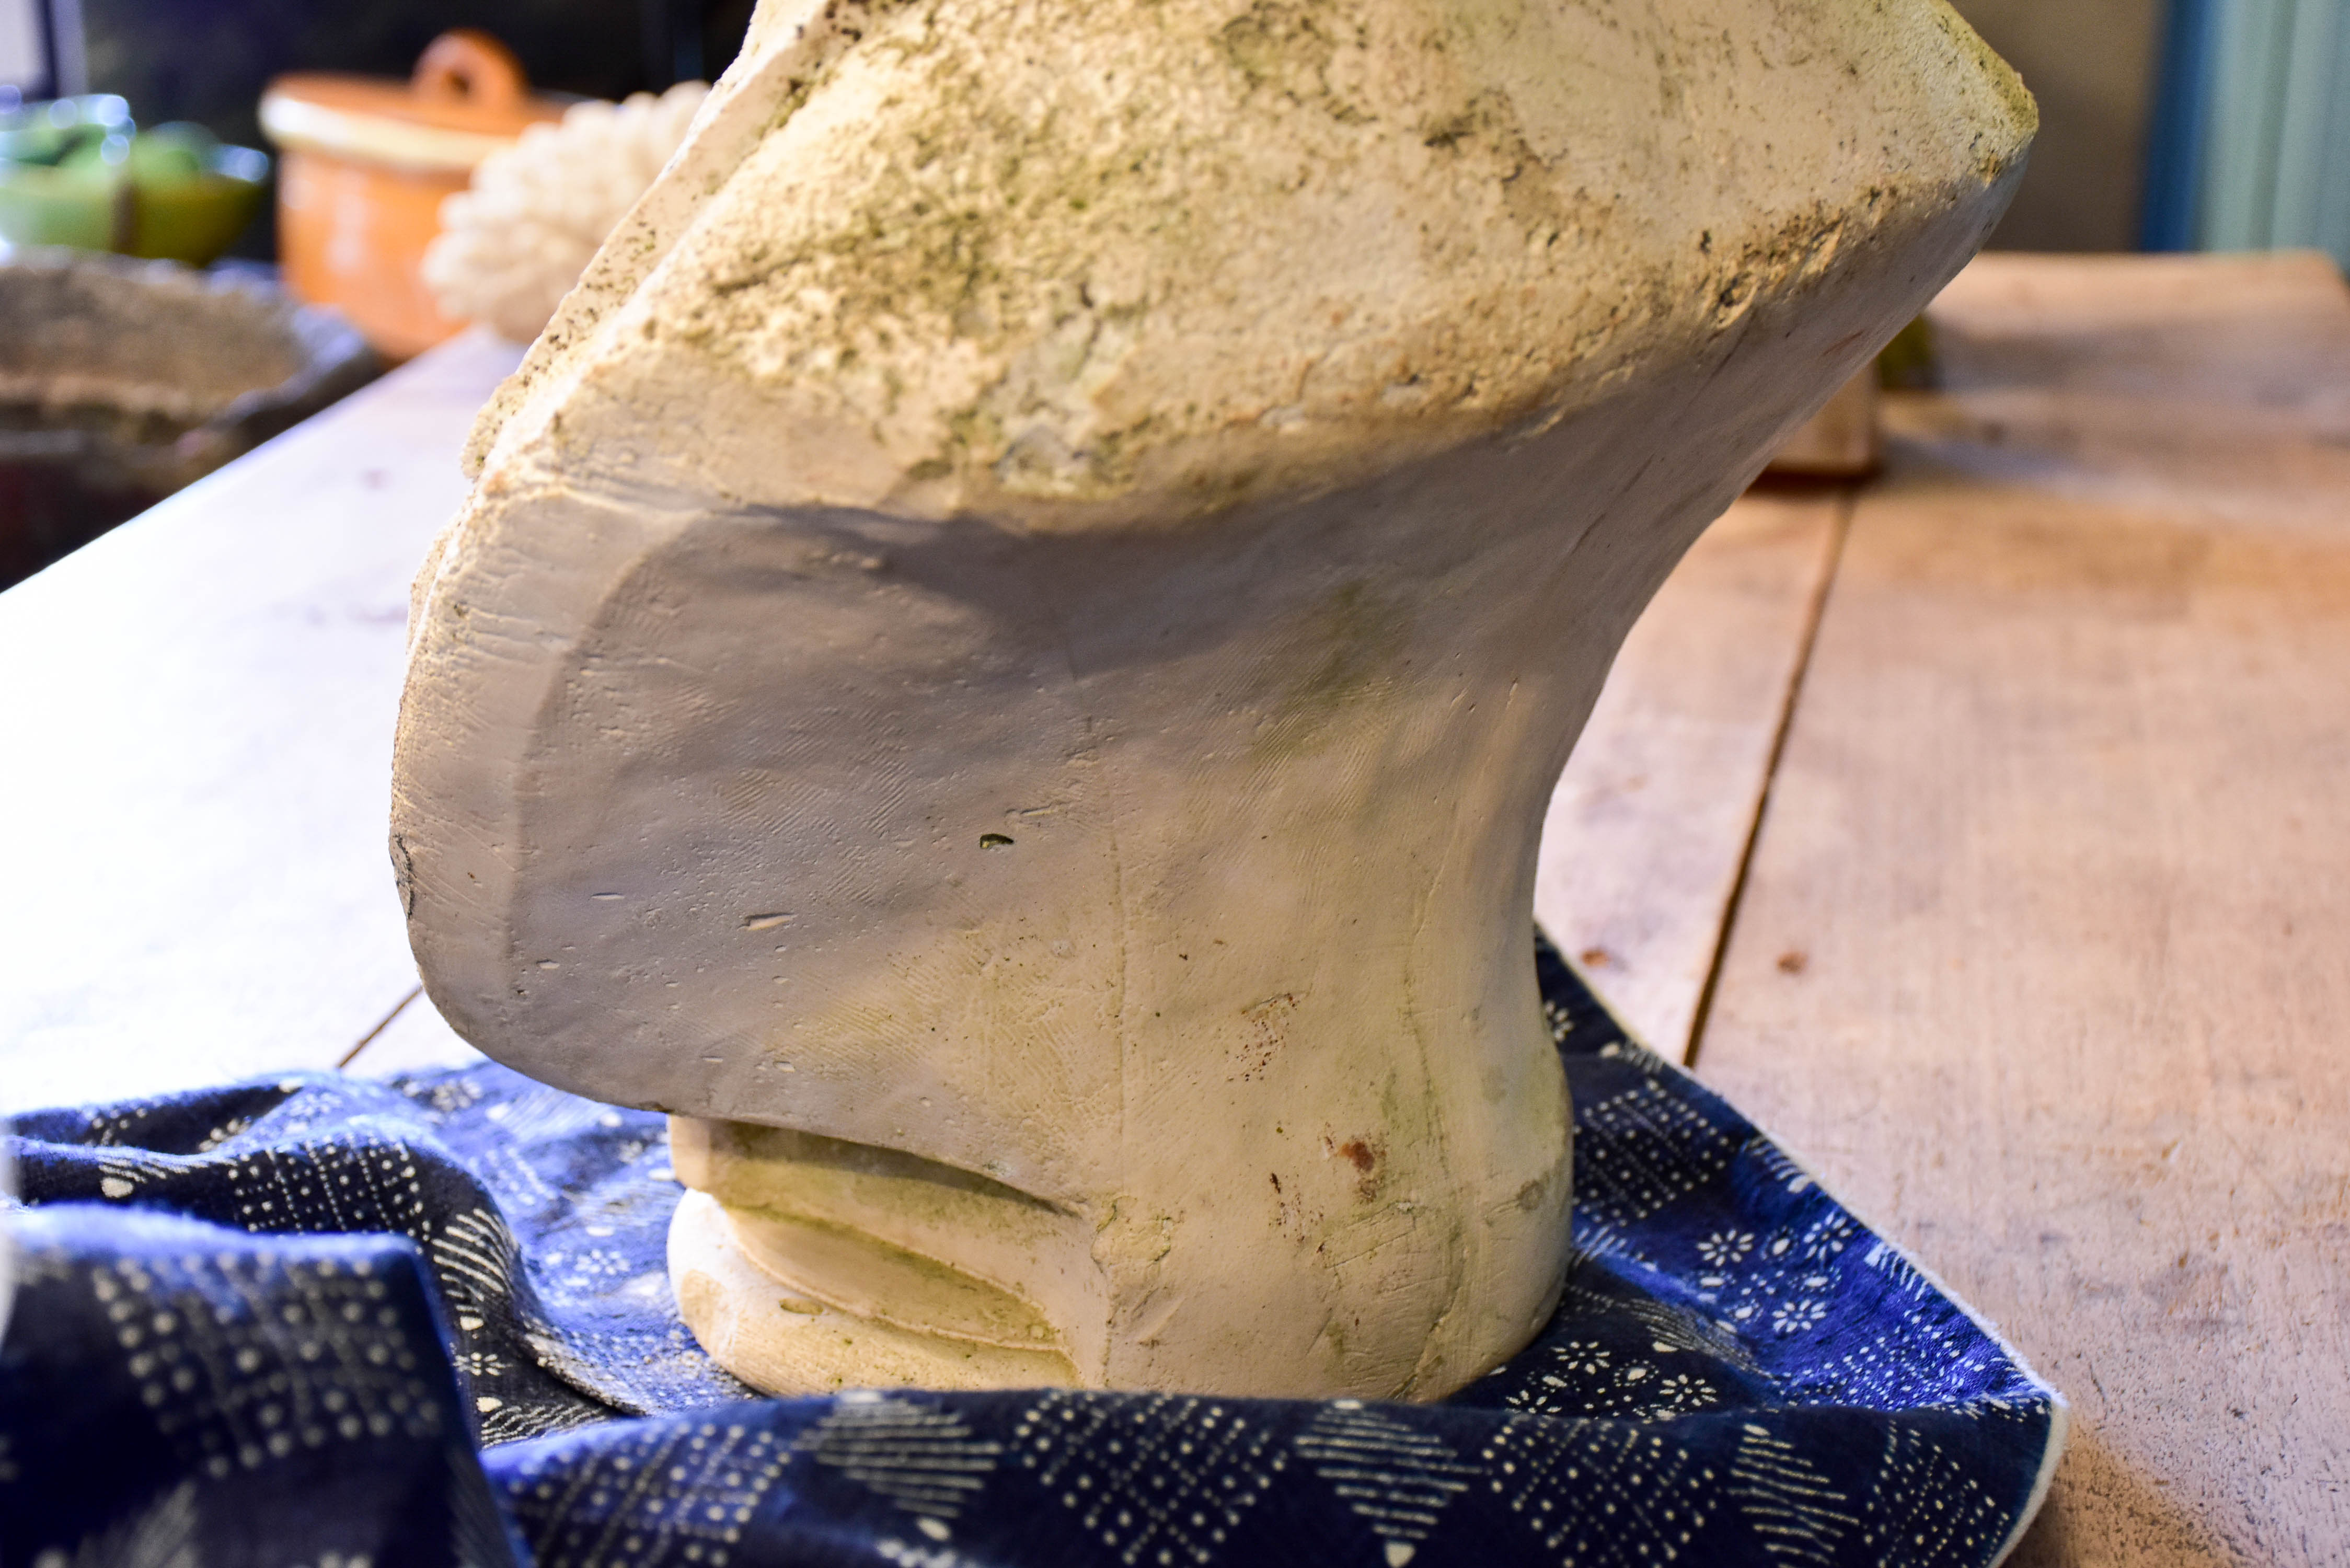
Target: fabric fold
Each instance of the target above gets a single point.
(426, 1320)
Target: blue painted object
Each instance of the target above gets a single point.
(2179, 127)
(2250, 144)
(1741, 1374)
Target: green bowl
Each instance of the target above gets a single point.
(48, 132)
(192, 208)
(77, 172)
(56, 185)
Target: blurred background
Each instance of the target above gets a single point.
(2173, 125)
(2167, 124)
(376, 175)
(209, 60)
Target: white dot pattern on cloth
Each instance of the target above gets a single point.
(337, 1368)
(1396, 1478)
(676, 1494)
(1604, 1494)
(1790, 1506)
(1924, 1509)
(1740, 1375)
(295, 1388)
(1159, 1479)
(924, 1461)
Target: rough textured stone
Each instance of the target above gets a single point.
(1012, 641)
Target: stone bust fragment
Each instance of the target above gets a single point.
(1012, 640)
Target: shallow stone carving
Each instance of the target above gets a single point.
(1012, 637)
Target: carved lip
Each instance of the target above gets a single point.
(860, 1274)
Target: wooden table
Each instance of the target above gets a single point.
(196, 713)
(1978, 830)
(2043, 957)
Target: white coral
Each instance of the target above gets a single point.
(510, 248)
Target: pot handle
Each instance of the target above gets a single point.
(468, 65)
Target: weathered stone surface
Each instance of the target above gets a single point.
(1014, 636)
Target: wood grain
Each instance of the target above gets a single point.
(2042, 960)
(1646, 833)
(198, 711)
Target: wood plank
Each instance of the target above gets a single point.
(198, 714)
(1650, 824)
(414, 1038)
(2261, 330)
(2040, 961)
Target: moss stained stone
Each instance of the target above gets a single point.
(1113, 512)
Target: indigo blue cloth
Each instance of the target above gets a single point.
(325, 1319)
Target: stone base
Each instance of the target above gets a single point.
(768, 1331)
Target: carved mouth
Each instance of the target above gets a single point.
(858, 1273)
(892, 1239)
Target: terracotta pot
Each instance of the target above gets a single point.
(367, 165)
